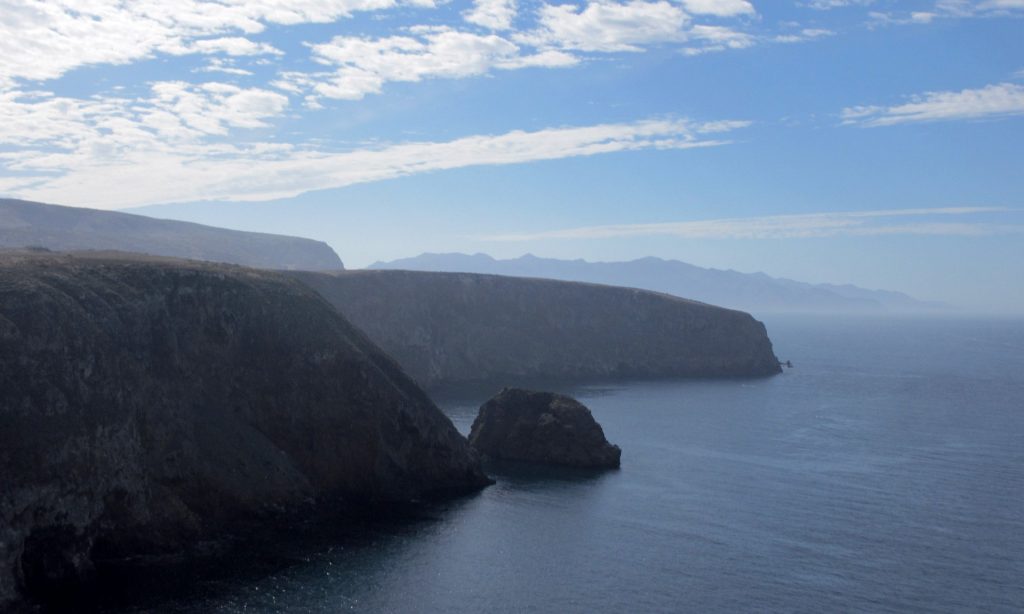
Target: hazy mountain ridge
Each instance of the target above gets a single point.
(755, 292)
(58, 228)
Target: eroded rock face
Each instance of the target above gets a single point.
(451, 328)
(541, 427)
(146, 404)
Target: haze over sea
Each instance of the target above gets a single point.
(885, 472)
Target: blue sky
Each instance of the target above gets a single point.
(877, 142)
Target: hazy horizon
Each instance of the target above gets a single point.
(868, 142)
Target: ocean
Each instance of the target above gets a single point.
(883, 473)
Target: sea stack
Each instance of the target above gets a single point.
(541, 427)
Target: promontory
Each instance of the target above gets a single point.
(148, 403)
(451, 328)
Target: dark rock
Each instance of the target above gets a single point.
(452, 328)
(25, 224)
(541, 427)
(148, 404)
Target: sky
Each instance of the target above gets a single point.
(874, 142)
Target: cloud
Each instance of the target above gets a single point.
(44, 40)
(222, 65)
(719, 8)
(607, 26)
(233, 45)
(182, 143)
(826, 5)
(718, 38)
(362, 66)
(999, 100)
(948, 9)
(810, 225)
(803, 35)
(493, 14)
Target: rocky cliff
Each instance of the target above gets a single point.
(541, 427)
(146, 404)
(25, 224)
(448, 328)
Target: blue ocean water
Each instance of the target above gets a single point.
(884, 473)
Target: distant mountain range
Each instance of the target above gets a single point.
(755, 292)
(29, 224)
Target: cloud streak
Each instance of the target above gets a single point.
(992, 101)
(800, 226)
(171, 147)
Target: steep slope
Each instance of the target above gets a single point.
(24, 224)
(755, 292)
(452, 327)
(148, 403)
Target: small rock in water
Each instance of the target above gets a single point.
(541, 427)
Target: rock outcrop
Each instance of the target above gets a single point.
(541, 427)
(446, 328)
(146, 404)
(29, 224)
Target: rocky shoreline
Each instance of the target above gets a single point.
(148, 405)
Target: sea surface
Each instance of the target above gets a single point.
(883, 473)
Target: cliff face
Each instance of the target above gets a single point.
(447, 328)
(24, 224)
(145, 404)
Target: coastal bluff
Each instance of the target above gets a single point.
(68, 229)
(452, 328)
(147, 404)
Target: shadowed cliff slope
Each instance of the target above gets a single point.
(147, 403)
(446, 328)
(24, 224)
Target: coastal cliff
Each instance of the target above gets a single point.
(448, 328)
(28, 224)
(146, 404)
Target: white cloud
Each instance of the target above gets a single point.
(607, 26)
(999, 100)
(223, 66)
(116, 152)
(719, 8)
(234, 45)
(44, 40)
(493, 14)
(362, 65)
(805, 34)
(825, 5)
(958, 9)
(718, 38)
(808, 225)
(52, 134)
